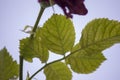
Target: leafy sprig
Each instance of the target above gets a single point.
(58, 36)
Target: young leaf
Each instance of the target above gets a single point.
(57, 71)
(83, 62)
(58, 34)
(8, 68)
(28, 29)
(99, 35)
(33, 47)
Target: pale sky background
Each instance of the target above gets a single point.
(15, 14)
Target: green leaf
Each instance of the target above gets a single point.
(97, 36)
(33, 47)
(58, 34)
(57, 71)
(8, 67)
(82, 62)
(100, 34)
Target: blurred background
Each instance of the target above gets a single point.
(15, 14)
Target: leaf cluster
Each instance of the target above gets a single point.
(57, 35)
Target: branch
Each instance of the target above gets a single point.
(52, 63)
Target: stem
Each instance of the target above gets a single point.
(37, 21)
(52, 63)
(34, 30)
(21, 68)
(44, 67)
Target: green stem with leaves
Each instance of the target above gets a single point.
(33, 31)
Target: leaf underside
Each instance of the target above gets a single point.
(100, 34)
(84, 62)
(97, 36)
(33, 47)
(58, 34)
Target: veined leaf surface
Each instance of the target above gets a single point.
(57, 71)
(83, 62)
(8, 67)
(58, 34)
(33, 47)
(97, 36)
(100, 34)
